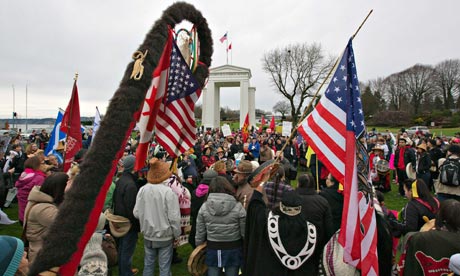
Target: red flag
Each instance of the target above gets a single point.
(169, 107)
(333, 130)
(272, 124)
(72, 127)
(262, 124)
(229, 47)
(245, 129)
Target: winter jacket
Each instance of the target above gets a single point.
(41, 216)
(317, 210)
(409, 157)
(244, 194)
(124, 198)
(266, 154)
(428, 253)
(413, 215)
(188, 167)
(254, 148)
(198, 198)
(423, 163)
(446, 190)
(28, 179)
(335, 200)
(220, 219)
(157, 208)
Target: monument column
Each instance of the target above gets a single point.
(209, 116)
(244, 102)
(252, 105)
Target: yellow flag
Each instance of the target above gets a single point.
(308, 155)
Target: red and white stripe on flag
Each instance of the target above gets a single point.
(176, 127)
(153, 100)
(332, 130)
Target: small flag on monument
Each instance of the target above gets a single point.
(223, 38)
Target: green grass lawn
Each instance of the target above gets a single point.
(449, 132)
(392, 201)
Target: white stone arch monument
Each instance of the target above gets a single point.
(228, 76)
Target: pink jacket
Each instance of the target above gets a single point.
(28, 179)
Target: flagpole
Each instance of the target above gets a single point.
(319, 88)
(364, 21)
(226, 42)
(231, 55)
(26, 110)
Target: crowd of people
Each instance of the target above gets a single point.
(230, 197)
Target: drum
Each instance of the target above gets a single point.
(382, 166)
(195, 264)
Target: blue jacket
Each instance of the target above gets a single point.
(255, 149)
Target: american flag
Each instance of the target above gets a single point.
(169, 106)
(333, 130)
(223, 38)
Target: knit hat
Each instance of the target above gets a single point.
(244, 167)
(128, 162)
(94, 260)
(11, 253)
(455, 149)
(158, 171)
(208, 176)
(454, 264)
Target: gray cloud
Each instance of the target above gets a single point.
(44, 43)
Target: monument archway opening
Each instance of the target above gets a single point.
(228, 76)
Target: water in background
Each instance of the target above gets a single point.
(30, 127)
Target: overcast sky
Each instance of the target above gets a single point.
(43, 43)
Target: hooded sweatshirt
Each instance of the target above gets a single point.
(28, 179)
(41, 216)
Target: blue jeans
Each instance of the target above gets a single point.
(229, 271)
(164, 253)
(126, 247)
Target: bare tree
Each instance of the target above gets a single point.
(282, 107)
(417, 81)
(447, 80)
(296, 71)
(393, 91)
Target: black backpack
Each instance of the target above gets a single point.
(450, 172)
